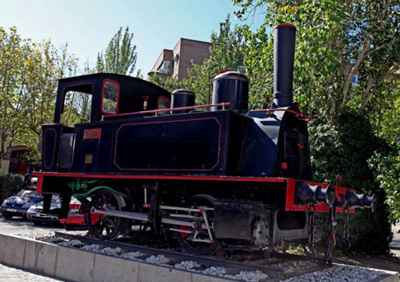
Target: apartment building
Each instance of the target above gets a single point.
(175, 63)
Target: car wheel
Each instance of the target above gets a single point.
(37, 223)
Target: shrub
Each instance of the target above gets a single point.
(345, 148)
(9, 185)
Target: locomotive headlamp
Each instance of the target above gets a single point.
(306, 194)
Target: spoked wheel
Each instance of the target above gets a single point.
(199, 244)
(104, 226)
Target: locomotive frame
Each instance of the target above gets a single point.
(215, 175)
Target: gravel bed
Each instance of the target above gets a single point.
(339, 273)
(188, 265)
(95, 248)
(248, 276)
(71, 243)
(133, 256)
(159, 260)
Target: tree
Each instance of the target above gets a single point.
(43, 65)
(11, 62)
(226, 52)
(120, 55)
(29, 74)
(336, 40)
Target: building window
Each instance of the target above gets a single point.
(354, 80)
(110, 97)
(176, 59)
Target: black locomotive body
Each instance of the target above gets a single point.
(212, 175)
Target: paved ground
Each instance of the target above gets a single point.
(20, 227)
(10, 274)
(395, 244)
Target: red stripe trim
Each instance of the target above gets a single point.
(321, 207)
(39, 185)
(164, 177)
(286, 24)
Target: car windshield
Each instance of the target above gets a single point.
(24, 194)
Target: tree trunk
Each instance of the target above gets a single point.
(367, 93)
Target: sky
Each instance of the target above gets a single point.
(88, 25)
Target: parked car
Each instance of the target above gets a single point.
(19, 204)
(75, 219)
(36, 215)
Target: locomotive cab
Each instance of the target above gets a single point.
(112, 96)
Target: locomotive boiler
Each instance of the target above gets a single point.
(209, 176)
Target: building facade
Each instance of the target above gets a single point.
(176, 62)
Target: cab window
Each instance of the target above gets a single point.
(110, 97)
(163, 103)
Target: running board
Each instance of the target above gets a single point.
(130, 215)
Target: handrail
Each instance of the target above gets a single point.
(297, 114)
(223, 105)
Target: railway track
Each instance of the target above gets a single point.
(234, 270)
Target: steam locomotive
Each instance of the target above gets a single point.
(211, 176)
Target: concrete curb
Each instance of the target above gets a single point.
(77, 265)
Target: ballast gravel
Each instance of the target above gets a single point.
(187, 265)
(95, 248)
(339, 273)
(133, 256)
(71, 243)
(215, 271)
(111, 251)
(159, 260)
(248, 276)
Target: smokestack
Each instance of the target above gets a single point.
(284, 43)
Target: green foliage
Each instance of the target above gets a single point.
(120, 55)
(9, 185)
(28, 83)
(345, 148)
(226, 52)
(335, 41)
(169, 83)
(386, 168)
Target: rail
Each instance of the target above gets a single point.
(155, 112)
